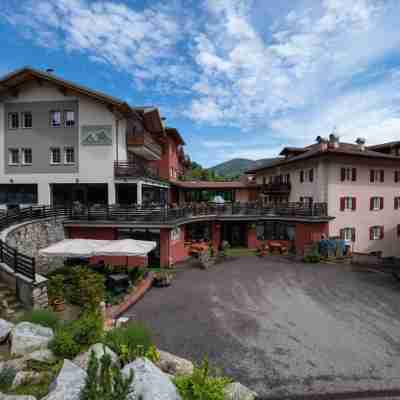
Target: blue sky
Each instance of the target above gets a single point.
(238, 78)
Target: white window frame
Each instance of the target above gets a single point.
(376, 233)
(52, 119)
(23, 156)
(348, 203)
(66, 149)
(52, 149)
(376, 203)
(10, 156)
(10, 114)
(348, 234)
(66, 119)
(23, 120)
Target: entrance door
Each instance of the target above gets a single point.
(235, 233)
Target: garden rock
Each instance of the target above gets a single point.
(237, 391)
(27, 337)
(150, 382)
(174, 365)
(15, 397)
(26, 377)
(5, 329)
(43, 355)
(99, 349)
(68, 384)
(18, 364)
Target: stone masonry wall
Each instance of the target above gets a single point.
(31, 237)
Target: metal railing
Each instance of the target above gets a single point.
(276, 188)
(135, 169)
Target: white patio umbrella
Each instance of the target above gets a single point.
(127, 247)
(219, 200)
(74, 248)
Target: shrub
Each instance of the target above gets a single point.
(130, 341)
(41, 317)
(201, 385)
(7, 376)
(55, 287)
(312, 258)
(105, 381)
(63, 344)
(88, 288)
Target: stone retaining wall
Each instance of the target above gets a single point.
(28, 238)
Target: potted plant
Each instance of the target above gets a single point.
(162, 279)
(56, 294)
(262, 250)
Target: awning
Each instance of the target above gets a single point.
(127, 247)
(74, 248)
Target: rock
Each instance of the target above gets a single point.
(15, 397)
(5, 329)
(27, 337)
(26, 377)
(82, 360)
(17, 363)
(174, 365)
(44, 355)
(150, 382)
(237, 391)
(68, 384)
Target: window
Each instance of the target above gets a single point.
(69, 118)
(347, 174)
(69, 155)
(398, 231)
(307, 201)
(13, 156)
(311, 175)
(18, 194)
(397, 203)
(347, 203)
(301, 176)
(55, 155)
(286, 178)
(376, 203)
(27, 119)
(26, 156)
(13, 120)
(376, 233)
(348, 234)
(55, 119)
(397, 176)
(376, 175)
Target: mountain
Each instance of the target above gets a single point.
(237, 166)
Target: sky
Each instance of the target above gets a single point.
(237, 78)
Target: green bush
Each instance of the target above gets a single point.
(72, 338)
(41, 317)
(105, 381)
(312, 258)
(87, 288)
(201, 385)
(130, 341)
(7, 376)
(56, 287)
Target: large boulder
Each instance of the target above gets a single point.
(237, 391)
(68, 384)
(150, 382)
(27, 337)
(174, 365)
(15, 397)
(99, 349)
(43, 355)
(5, 329)
(23, 377)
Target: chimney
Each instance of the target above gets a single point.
(323, 143)
(361, 143)
(333, 141)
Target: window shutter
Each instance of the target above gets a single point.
(353, 234)
(342, 234)
(343, 174)
(382, 175)
(311, 175)
(371, 203)
(396, 176)
(354, 174)
(371, 175)
(396, 203)
(342, 203)
(371, 237)
(398, 230)
(301, 176)
(354, 205)
(381, 203)
(382, 232)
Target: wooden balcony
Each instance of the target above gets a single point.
(276, 188)
(135, 170)
(143, 145)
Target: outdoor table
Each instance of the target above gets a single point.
(197, 248)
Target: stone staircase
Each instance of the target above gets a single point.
(10, 307)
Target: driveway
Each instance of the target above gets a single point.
(282, 327)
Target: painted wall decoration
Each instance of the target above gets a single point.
(96, 135)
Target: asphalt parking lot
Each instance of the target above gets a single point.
(282, 327)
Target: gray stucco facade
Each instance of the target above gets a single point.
(41, 137)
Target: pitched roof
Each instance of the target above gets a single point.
(384, 145)
(173, 132)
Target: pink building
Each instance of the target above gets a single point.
(359, 184)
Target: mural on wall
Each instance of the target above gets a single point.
(96, 135)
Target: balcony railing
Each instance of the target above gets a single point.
(141, 214)
(276, 188)
(135, 169)
(144, 145)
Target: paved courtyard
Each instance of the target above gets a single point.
(283, 327)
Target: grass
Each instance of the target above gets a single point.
(240, 252)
